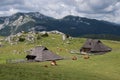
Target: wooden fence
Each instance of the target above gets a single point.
(16, 61)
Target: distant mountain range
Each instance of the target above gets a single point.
(72, 25)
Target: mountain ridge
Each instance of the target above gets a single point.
(72, 25)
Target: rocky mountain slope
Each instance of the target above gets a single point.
(72, 25)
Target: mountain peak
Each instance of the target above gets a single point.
(72, 25)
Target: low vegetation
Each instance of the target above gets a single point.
(97, 67)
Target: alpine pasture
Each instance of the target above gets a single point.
(97, 67)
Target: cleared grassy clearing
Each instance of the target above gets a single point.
(98, 67)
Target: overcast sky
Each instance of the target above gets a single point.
(99, 9)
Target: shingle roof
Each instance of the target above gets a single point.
(95, 46)
(43, 54)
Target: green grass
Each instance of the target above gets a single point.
(98, 67)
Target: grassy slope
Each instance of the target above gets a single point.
(98, 67)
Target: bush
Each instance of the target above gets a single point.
(21, 39)
(45, 35)
(38, 37)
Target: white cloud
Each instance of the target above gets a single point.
(99, 9)
(9, 12)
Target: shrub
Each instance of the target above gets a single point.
(21, 39)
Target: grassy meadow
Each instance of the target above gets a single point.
(97, 67)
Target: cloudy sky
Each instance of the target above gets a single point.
(99, 9)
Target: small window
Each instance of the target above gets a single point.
(89, 43)
(45, 49)
(99, 41)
